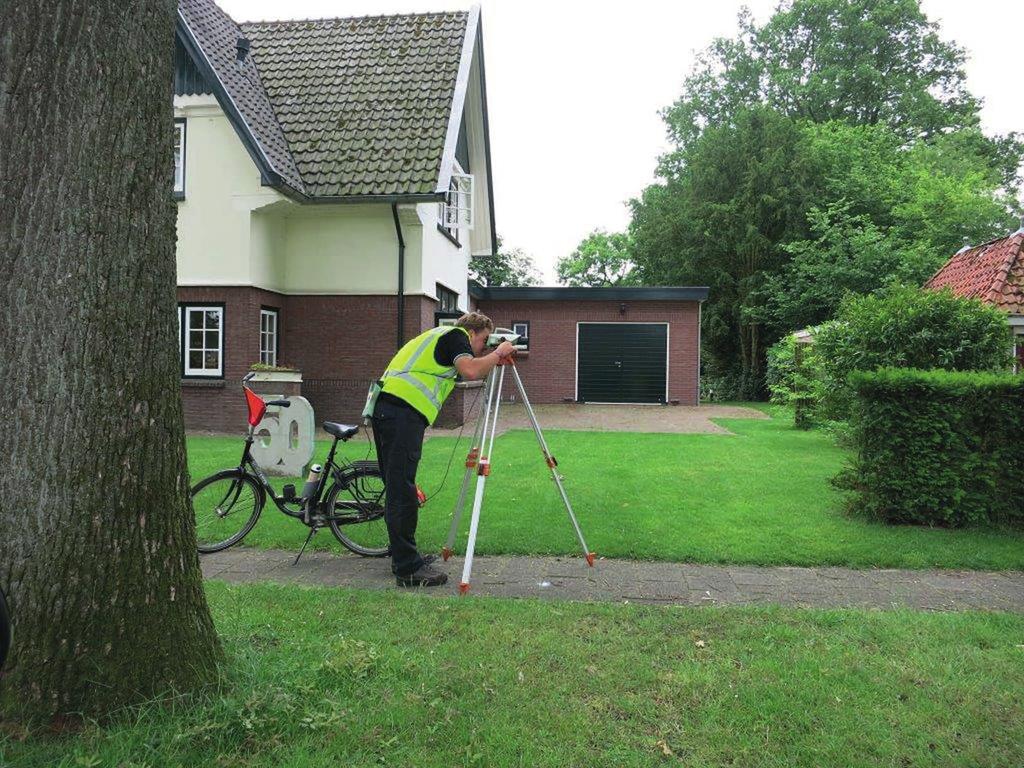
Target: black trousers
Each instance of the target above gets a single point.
(398, 433)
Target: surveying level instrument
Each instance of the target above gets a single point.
(478, 460)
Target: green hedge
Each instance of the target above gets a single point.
(937, 448)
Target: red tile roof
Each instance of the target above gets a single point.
(992, 272)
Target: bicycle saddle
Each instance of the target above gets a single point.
(340, 431)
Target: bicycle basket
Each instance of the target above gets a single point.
(256, 407)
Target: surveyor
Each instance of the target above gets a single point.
(405, 402)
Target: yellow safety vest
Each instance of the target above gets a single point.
(414, 375)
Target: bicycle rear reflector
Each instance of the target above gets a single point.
(256, 407)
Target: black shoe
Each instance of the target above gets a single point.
(424, 577)
(429, 560)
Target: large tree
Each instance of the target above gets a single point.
(833, 149)
(601, 259)
(97, 540)
(864, 62)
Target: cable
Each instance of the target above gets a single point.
(454, 448)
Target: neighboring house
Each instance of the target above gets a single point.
(994, 273)
(333, 180)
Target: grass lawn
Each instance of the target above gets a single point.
(334, 677)
(758, 496)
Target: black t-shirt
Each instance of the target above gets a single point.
(451, 347)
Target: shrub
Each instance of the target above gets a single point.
(907, 327)
(937, 447)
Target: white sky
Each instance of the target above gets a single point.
(574, 89)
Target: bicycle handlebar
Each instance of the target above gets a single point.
(281, 403)
(248, 376)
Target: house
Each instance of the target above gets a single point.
(333, 180)
(994, 273)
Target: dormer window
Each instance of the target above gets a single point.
(179, 159)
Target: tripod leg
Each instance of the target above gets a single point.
(472, 459)
(483, 471)
(552, 464)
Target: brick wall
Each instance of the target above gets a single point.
(340, 343)
(218, 405)
(549, 371)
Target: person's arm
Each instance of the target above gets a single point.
(471, 368)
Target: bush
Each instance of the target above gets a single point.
(906, 327)
(937, 447)
(794, 378)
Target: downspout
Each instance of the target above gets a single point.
(401, 277)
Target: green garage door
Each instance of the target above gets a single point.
(621, 362)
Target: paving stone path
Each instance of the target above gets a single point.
(566, 578)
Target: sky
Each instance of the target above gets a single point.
(574, 91)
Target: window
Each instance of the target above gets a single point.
(268, 336)
(202, 340)
(179, 159)
(522, 328)
(447, 299)
(447, 311)
(456, 212)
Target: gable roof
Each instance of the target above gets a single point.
(210, 37)
(992, 272)
(343, 109)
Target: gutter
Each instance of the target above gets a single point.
(401, 277)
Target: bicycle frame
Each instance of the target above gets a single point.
(307, 508)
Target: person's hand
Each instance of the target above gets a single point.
(505, 350)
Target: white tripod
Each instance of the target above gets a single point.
(478, 462)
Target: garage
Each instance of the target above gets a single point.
(622, 362)
(610, 344)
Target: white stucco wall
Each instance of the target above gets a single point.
(234, 231)
(443, 261)
(222, 185)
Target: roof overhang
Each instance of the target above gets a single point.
(663, 293)
(472, 43)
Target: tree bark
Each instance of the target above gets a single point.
(97, 539)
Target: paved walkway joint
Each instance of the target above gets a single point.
(568, 578)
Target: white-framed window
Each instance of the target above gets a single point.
(456, 212)
(202, 340)
(522, 328)
(179, 158)
(268, 336)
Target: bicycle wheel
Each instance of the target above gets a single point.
(227, 506)
(356, 513)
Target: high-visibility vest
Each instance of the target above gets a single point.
(414, 375)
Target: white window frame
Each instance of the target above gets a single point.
(179, 158)
(186, 341)
(268, 336)
(456, 211)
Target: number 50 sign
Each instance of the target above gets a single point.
(284, 439)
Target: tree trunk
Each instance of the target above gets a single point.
(97, 538)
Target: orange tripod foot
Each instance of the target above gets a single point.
(463, 588)
(445, 553)
(590, 558)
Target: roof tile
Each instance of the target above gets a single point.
(992, 272)
(342, 107)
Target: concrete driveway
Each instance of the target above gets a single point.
(616, 418)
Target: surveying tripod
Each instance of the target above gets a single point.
(478, 462)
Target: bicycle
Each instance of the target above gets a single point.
(228, 503)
